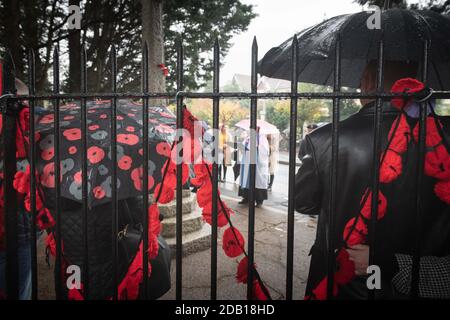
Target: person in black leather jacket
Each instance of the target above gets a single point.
(395, 236)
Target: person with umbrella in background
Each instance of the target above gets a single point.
(262, 169)
(403, 33)
(100, 193)
(273, 158)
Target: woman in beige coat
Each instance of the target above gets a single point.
(225, 151)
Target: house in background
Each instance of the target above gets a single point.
(242, 82)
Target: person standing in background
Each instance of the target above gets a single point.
(273, 158)
(262, 170)
(225, 150)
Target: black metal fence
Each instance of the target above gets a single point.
(9, 115)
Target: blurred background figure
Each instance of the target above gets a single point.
(273, 157)
(262, 170)
(225, 151)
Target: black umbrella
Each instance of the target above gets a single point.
(162, 124)
(403, 32)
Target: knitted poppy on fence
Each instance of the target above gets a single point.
(437, 165)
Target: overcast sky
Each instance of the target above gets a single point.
(277, 21)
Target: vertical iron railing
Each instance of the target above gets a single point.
(9, 123)
(252, 181)
(334, 171)
(57, 176)
(32, 153)
(292, 162)
(419, 178)
(179, 190)
(215, 165)
(84, 173)
(376, 162)
(145, 155)
(115, 214)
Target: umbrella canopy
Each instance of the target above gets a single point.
(162, 124)
(403, 32)
(264, 126)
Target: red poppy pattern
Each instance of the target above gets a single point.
(99, 154)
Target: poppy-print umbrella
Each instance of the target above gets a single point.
(162, 124)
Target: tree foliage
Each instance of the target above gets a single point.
(41, 25)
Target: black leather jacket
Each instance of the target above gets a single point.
(395, 232)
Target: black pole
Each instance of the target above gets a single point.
(292, 161)
(376, 163)
(252, 184)
(419, 179)
(179, 190)
(57, 163)
(32, 91)
(115, 216)
(334, 172)
(84, 169)
(215, 186)
(145, 167)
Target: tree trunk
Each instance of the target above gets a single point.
(153, 34)
(74, 56)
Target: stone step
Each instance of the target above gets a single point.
(191, 222)
(169, 210)
(193, 242)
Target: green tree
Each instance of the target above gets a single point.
(41, 25)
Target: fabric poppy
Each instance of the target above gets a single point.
(48, 175)
(154, 224)
(346, 271)
(222, 217)
(78, 178)
(165, 194)
(355, 233)
(27, 202)
(442, 190)
(95, 154)
(204, 194)
(99, 192)
(405, 85)
(242, 270)
(48, 154)
(72, 150)
(125, 163)
(163, 148)
(72, 134)
(74, 294)
(391, 166)
(50, 244)
(437, 163)
(433, 137)
(129, 286)
(127, 138)
(258, 293)
(21, 181)
(44, 219)
(402, 135)
(233, 242)
(366, 210)
(320, 292)
(153, 247)
(137, 178)
(93, 127)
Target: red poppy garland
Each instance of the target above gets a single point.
(437, 165)
(233, 242)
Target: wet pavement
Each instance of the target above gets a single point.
(270, 250)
